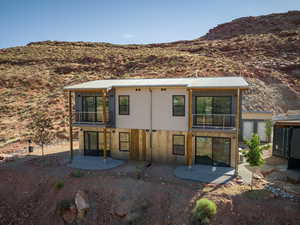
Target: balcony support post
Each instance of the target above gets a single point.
(189, 134)
(70, 125)
(237, 132)
(104, 92)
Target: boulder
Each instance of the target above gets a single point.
(82, 203)
(69, 215)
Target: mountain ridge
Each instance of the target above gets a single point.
(32, 76)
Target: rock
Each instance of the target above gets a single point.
(122, 207)
(82, 203)
(239, 181)
(69, 215)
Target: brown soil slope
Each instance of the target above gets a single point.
(265, 50)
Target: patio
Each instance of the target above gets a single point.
(94, 163)
(205, 173)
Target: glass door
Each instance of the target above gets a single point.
(88, 108)
(222, 110)
(91, 143)
(221, 151)
(203, 111)
(214, 151)
(203, 151)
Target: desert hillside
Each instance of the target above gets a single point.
(265, 50)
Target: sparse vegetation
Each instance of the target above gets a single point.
(40, 129)
(204, 210)
(254, 155)
(77, 174)
(59, 185)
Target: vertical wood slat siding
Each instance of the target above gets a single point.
(134, 144)
(144, 145)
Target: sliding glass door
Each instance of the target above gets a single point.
(204, 151)
(91, 146)
(212, 151)
(92, 109)
(94, 143)
(213, 111)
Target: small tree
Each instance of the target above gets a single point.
(40, 129)
(254, 156)
(268, 130)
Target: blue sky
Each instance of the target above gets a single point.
(123, 21)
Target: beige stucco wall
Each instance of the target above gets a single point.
(163, 118)
(139, 109)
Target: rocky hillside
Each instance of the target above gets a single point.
(265, 50)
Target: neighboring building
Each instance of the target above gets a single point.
(286, 139)
(255, 122)
(183, 120)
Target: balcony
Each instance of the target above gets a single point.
(214, 121)
(90, 118)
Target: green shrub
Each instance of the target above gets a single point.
(77, 174)
(59, 185)
(204, 210)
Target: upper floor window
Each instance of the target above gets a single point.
(178, 144)
(178, 105)
(92, 109)
(213, 111)
(123, 104)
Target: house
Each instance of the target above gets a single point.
(255, 122)
(180, 120)
(286, 139)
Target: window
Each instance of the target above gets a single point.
(92, 109)
(178, 105)
(124, 141)
(178, 144)
(213, 111)
(123, 104)
(212, 151)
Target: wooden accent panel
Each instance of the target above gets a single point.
(70, 125)
(134, 144)
(144, 144)
(104, 142)
(189, 159)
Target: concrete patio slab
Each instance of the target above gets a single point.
(205, 173)
(94, 163)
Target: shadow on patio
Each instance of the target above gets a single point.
(205, 173)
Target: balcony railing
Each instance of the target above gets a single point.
(90, 117)
(214, 121)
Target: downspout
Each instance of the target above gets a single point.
(150, 125)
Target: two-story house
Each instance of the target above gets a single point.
(180, 120)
